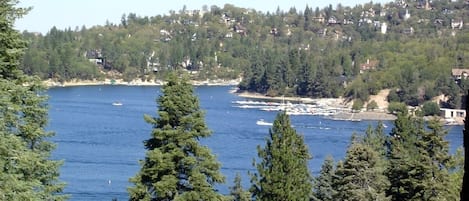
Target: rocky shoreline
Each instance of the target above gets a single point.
(345, 112)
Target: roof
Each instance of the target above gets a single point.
(370, 64)
(459, 71)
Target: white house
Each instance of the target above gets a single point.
(453, 116)
(384, 28)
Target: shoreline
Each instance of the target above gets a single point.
(344, 112)
(137, 82)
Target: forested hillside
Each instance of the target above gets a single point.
(409, 47)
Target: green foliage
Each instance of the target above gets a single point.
(324, 187)
(418, 160)
(456, 171)
(430, 108)
(360, 176)
(376, 139)
(357, 105)
(27, 173)
(372, 105)
(393, 97)
(397, 107)
(237, 191)
(176, 166)
(282, 173)
(277, 53)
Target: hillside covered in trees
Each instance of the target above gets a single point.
(410, 47)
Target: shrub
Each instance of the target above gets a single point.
(357, 105)
(430, 108)
(396, 107)
(372, 105)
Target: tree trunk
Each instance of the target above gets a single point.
(465, 183)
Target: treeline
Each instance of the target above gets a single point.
(410, 163)
(333, 51)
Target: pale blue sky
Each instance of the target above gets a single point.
(73, 13)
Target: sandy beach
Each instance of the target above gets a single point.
(136, 82)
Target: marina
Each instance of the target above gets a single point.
(318, 109)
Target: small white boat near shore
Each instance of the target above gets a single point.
(261, 122)
(117, 103)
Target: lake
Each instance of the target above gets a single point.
(101, 143)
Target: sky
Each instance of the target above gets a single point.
(76, 13)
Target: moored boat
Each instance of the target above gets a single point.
(261, 122)
(117, 103)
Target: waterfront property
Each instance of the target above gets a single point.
(453, 116)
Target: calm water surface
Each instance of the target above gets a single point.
(101, 144)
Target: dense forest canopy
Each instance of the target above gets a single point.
(409, 47)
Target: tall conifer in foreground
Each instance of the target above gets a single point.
(282, 173)
(418, 160)
(323, 187)
(26, 173)
(360, 177)
(176, 166)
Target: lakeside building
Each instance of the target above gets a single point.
(453, 116)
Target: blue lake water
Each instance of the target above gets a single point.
(101, 144)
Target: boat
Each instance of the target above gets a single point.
(261, 122)
(117, 103)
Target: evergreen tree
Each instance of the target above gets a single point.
(418, 161)
(456, 169)
(27, 171)
(402, 161)
(237, 191)
(360, 176)
(282, 173)
(376, 139)
(434, 155)
(176, 166)
(323, 188)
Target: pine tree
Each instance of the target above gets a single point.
(282, 173)
(324, 188)
(176, 166)
(27, 171)
(376, 139)
(360, 176)
(402, 159)
(237, 191)
(456, 169)
(435, 158)
(418, 161)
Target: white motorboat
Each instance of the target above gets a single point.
(261, 122)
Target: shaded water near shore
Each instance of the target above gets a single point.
(101, 143)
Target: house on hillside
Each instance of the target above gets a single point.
(240, 29)
(459, 73)
(319, 18)
(369, 65)
(226, 19)
(457, 24)
(332, 21)
(384, 28)
(95, 56)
